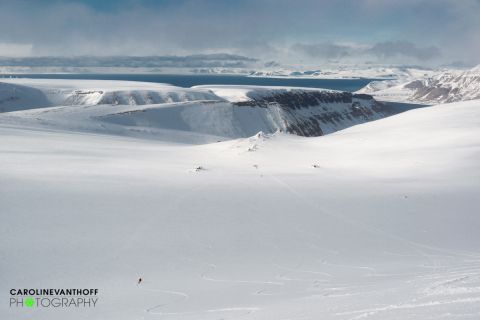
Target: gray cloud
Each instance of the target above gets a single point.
(390, 49)
(323, 50)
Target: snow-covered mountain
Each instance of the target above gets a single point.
(451, 86)
(216, 111)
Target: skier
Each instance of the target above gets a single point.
(139, 281)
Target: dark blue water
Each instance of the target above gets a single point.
(194, 80)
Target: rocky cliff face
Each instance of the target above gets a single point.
(315, 113)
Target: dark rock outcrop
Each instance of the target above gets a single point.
(315, 113)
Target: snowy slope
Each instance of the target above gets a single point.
(379, 221)
(443, 87)
(216, 112)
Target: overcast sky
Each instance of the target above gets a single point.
(430, 32)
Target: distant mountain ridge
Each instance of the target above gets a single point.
(216, 60)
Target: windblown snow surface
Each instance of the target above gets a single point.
(378, 221)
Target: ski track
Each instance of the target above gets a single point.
(366, 313)
(183, 296)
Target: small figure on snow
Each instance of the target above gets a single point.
(139, 281)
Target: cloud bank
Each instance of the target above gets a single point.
(429, 31)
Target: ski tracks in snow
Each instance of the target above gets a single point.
(181, 296)
(455, 286)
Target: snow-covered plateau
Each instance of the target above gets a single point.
(103, 183)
